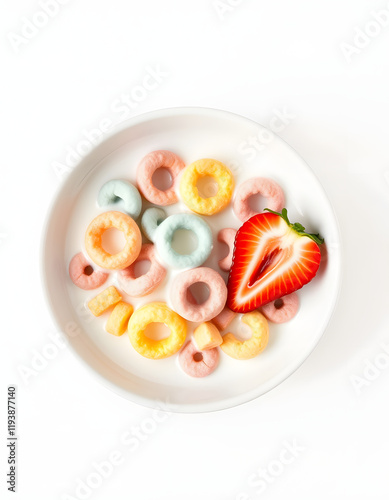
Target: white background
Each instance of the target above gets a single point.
(250, 58)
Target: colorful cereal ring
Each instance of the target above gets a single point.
(151, 219)
(197, 363)
(90, 281)
(145, 284)
(115, 191)
(250, 348)
(259, 185)
(223, 319)
(93, 243)
(208, 309)
(190, 193)
(144, 176)
(281, 310)
(156, 312)
(163, 237)
(227, 236)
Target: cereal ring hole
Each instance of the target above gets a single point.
(157, 331)
(88, 270)
(207, 186)
(141, 267)
(113, 241)
(184, 241)
(197, 356)
(279, 303)
(257, 203)
(162, 179)
(200, 292)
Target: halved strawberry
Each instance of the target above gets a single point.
(272, 258)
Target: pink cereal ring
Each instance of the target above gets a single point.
(144, 176)
(184, 304)
(281, 310)
(259, 185)
(145, 284)
(223, 319)
(227, 236)
(198, 363)
(77, 274)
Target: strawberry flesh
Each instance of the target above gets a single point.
(272, 258)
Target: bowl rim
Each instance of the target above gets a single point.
(192, 408)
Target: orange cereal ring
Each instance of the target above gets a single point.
(132, 235)
(190, 193)
(156, 312)
(250, 348)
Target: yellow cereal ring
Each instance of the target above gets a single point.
(103, 300)
(132, 235)
(118, 319)
(252, 347)
(156, 312)
(190, 193)
(207, 336)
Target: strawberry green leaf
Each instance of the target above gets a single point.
(297, 227)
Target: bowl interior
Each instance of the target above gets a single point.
(192, 134)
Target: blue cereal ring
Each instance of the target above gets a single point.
(151, 219)
(116, 191)
(163, 237)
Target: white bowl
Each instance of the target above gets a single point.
(192, 133)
